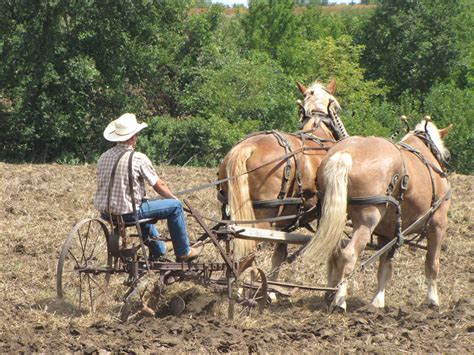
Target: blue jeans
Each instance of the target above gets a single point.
(172, 211)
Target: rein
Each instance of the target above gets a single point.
(280, 158)
(270, 219)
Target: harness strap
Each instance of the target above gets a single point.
(286, 144)
(369, 200)
(270, 219)
(277, 202)
(287, 170)
(420, 156)
(430, 166)
(218, 182)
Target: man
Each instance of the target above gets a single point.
(124, 131)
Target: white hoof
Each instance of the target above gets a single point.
(272, 297)
(333, 308)
(379, 300)
(431, 303)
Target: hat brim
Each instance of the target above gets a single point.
(111, 136)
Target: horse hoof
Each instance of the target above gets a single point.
(430, 305)
(378, 304)
(337, 310)
(334, 308)
(272, 298)
(329, 297)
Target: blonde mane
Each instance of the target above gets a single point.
(433, 132)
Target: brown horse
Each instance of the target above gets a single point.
(372, 179)
(282, 171)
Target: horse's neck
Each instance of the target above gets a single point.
(427, 154)
(418, 144)
(309, 125)
(323, 132)
(317, 128)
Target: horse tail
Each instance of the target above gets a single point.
(240, 203)
(333, 214)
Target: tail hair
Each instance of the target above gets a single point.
(333, 214)
(240, 203)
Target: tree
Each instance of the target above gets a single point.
(270, 24)
(251, 92)
(411, 44)
(448, 104)
(69, 67)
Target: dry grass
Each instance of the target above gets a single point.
(41, 203)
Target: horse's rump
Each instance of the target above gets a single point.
(390, 190)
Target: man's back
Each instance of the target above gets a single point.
(120, 199)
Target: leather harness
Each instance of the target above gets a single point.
(290, 152)
(396, 202)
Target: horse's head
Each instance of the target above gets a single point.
(320, 106)
(318, 100)
(433, 137)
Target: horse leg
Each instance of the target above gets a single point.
(384, 275)
(436, 233)
(280, 254)
(364, 222)
(345, 264)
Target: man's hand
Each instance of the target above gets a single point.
(163, 190)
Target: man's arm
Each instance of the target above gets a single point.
(162, 189)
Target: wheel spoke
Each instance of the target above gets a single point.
(90, 292)
(82, 246)
(104, 290)
(75, 260)
(81, 278)
(94, 246)
(86, 240)
(80, 290)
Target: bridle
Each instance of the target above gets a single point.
(329, 118)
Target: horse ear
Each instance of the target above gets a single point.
(301, 87)
(444, 131)
(331, 88)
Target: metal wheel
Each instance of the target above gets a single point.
(84, 266)
(250, 293)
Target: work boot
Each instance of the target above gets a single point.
(194, 252)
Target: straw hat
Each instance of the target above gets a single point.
(123, 128)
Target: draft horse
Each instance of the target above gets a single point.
(384, 188)
(281, 171)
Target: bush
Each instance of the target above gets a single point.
(193, 141)
(447, 104)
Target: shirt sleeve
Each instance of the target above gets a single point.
(147, 170)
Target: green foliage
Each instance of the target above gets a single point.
(447, 104)
(315, 23)
(270, 25)
(252, 91)
(90, 62)
(203, 80)
(411, 44)
(190, 141)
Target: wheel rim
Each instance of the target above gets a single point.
(253, 292)
(84, 266)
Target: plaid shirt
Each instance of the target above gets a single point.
(120, 199)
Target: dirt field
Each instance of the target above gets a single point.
(40, 204)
